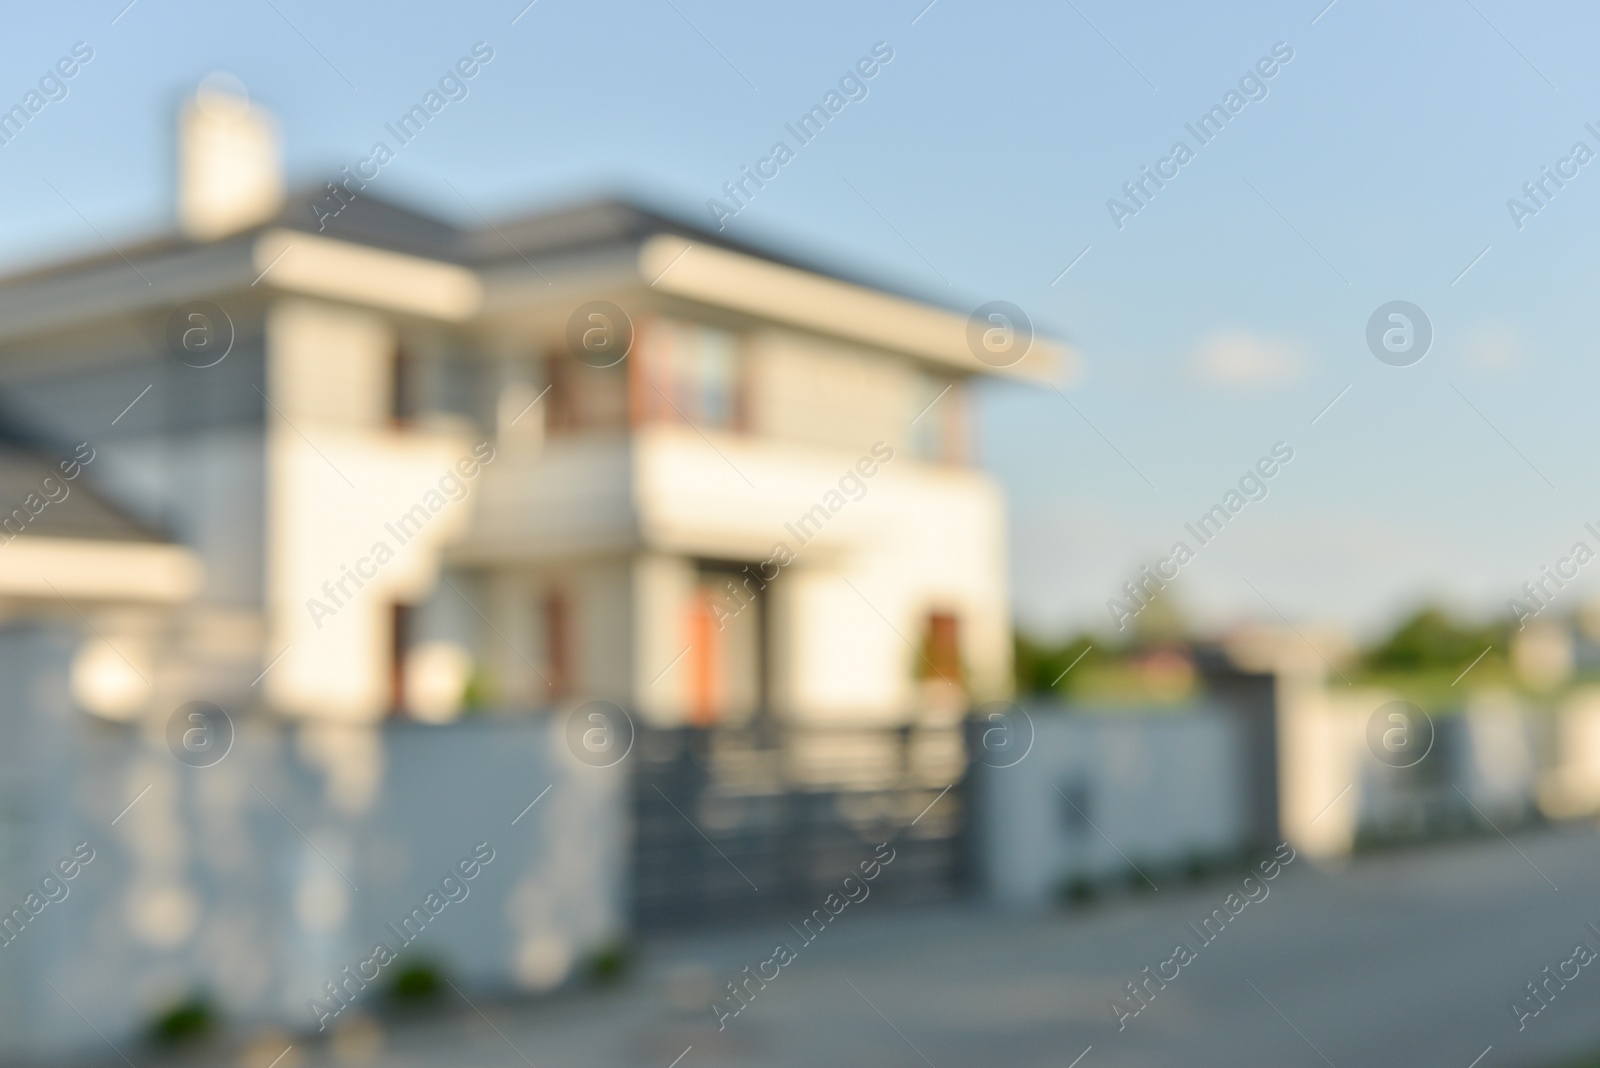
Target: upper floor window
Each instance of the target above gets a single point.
(428, 380)
(585, 398)
(688, 372)
(939, 408)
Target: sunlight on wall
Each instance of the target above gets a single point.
(356, 513)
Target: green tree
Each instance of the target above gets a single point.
(1039, 664)
(1431, 639)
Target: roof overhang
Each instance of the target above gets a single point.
(282, 259)
(762, 288)
(360, 274)
(97, 571)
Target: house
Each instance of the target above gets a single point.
(593, 452)
(323, 463)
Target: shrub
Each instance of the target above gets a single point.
(191, 1019)
(611, 963)
(421, 981)
(1078, 890)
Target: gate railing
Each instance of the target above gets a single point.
(732, 822)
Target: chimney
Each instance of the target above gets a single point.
(230, 174)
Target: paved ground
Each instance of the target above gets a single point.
(1404, 959)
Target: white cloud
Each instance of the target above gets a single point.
(1238, 358)
(1495, 347)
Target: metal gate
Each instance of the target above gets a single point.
(743, 822)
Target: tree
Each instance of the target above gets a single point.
(1430, 638)
(1039, 664)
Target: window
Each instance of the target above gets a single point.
(425, 383)
(557, 644)
(939, 434)
(941, 649)
(687, 372)
(584, 398)
(400, 627)
(402, 387)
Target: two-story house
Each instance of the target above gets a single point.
(592, 452)
(326, 463)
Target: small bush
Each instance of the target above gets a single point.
(1198, 868)
(185, 1022)
(1078, 890)
(611, 963)
(419, 982)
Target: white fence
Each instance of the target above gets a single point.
(1098, 794)
(259, 880)
(1501, 760)
(1102, 792)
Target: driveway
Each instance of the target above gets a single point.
(1401, 959)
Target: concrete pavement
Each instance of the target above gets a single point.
(1400, 959)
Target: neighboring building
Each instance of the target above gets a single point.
(616, 544)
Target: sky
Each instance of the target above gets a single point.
(1221, 318)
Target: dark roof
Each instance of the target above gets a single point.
(81, 513)
(371, 219)
(594, 223)
(28, 456)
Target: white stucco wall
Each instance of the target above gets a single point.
(338, 483)
(849, 612)
(1156, 788)
(206, 884)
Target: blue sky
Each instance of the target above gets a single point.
(1221, 319)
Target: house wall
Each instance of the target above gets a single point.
(282, 468)
(617, 520)
(339, 483)
(173, 443)
(182, 449)
(812, 391)
(845, 617)
(662, 586)
(849, 611)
